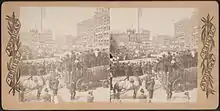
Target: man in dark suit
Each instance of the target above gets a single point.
(169, 91)
(54, 83)
(73, 90)
(129, 71)
(150, 82)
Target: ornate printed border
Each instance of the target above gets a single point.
(12, 50)
(208, 58)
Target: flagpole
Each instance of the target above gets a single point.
(139, 16)
(41, 19)
(138, 19)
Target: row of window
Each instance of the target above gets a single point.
(101, 21)
(101, 24)
(101, 28)
(102, 44)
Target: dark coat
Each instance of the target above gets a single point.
(150, 84)
(130, 71)
(72, 87)
(54, 83)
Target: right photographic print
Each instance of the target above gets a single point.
(153, 55)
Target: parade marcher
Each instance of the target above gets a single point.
(187, 96)
(129, 71)
(140, 71)
(22, 90)
(53, 84)
(30, 72)
(122, 69)
(149, 83)
(73, 90)
(110, 78)
(169, 91)
(133, 87)
(169, 57)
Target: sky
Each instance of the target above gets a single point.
(63, 20)
(157, 20)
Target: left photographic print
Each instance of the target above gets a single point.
(64, 54)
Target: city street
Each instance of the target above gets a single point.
(100, 94)
(160, 95)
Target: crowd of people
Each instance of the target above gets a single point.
(68, 62)
(131, 69)
(71, 67)
(170, 60)
(123, 53)
(121, 68)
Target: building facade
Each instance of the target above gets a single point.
(85, 32)
(46, 41)
(195, 28)
(95, 32)
(35, 41)
(183, 32)
(42, 42)
(187, 31)
(145, 36)
(142, 37)
(102, 28)
(120, 37)
(162, 42)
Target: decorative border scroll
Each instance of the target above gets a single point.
(208, 58)
(12, 50)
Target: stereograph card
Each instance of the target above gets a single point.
(110, 55)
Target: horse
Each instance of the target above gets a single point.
(126, 85)
(35, 83)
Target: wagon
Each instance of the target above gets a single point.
(94, 77)
(187, 80)
(182, 80)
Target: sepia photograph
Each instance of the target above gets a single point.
(64, 54)
(154, 56)
(110, 55)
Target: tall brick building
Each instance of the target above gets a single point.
(95, 32)
(187, 31)
(102, 28)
